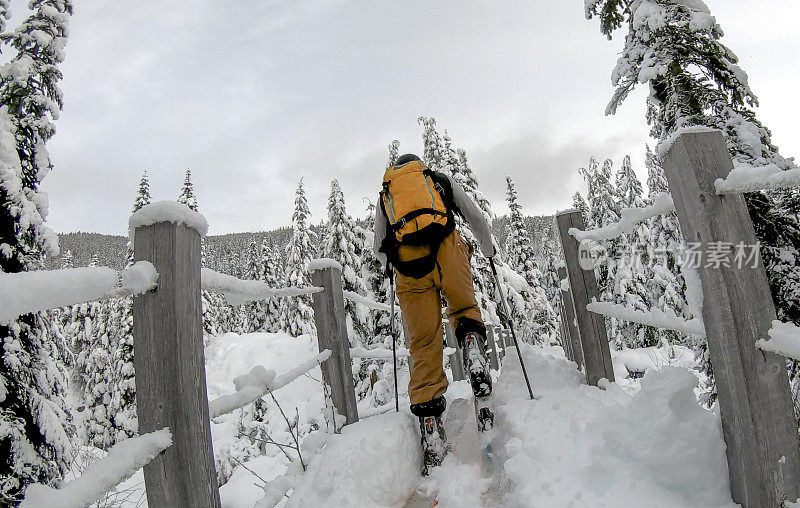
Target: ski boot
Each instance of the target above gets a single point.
(477, 365)
(434, 441)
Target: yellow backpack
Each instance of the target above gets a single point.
(414, 205)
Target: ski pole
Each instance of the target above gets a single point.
(507, 312)
(394, 339)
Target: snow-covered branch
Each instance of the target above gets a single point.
(654, 317)
(368, 303)
(629, 218)
(784, 339)
(122, 461)
(24, 292)
(238, 291)
(745, 178)
(259, 382)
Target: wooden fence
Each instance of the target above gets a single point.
(758, 421)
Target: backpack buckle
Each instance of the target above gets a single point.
(402, 222)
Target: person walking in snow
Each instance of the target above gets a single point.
(416, 238)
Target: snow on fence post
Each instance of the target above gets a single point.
(493, 355)
(758, 423)
(170, 368)
(572, 335)
(456, 361)
(583, 286)
(329, 317)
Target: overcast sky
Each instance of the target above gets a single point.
(253, 95)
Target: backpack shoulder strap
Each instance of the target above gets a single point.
(445, 190)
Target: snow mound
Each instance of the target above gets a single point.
(641, 360)
(167, 211)
(374, 462)
(586, 446)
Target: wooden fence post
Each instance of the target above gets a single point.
(493, 354)
(329, 318)
(170, 369)
(583, 285)
(758, 423)
(570, 328)
(456, 361)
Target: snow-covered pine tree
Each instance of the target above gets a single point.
(634, 272)
(122, 410)
(666, 289)
(211, 302)
(341, 245)
(254, 311)
(187, 196)
(603, 210)
(270, 271)
(377, 281)
(297, 315)
(35, 441)
(549, 261)
(538, 318)
(580, 204)
(432, 144)
(64, 316)
(456, 164)
(98, 376)
(394, 151)
(449, 163)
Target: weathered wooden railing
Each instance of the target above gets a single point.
(759, 425)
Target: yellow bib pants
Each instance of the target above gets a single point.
(421, 303)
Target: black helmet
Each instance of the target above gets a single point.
(403, 159)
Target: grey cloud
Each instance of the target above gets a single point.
(254, 95)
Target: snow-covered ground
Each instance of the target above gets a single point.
(228, 356)
(575, 445)
(640, 442)
(586, 446)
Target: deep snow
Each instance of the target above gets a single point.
(639, 442)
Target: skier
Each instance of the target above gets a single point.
(416, 238)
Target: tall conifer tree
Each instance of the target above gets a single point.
(539, 318)
(35, 443)
(297, 316)
(272, 274)
(341, 245)
(633, 270)
(122, 409)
